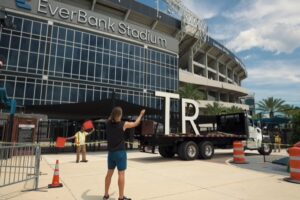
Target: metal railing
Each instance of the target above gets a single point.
(19, 162)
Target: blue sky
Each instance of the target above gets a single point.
(265, 34)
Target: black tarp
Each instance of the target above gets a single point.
(89, 110)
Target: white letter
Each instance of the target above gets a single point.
(168, 96)
(64, 13)
(82, 16)
(189, 118)
(122, 28)
(40, 6)
(93, 21)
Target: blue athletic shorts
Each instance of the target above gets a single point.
(117, 158)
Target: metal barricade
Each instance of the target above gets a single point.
(19, 163)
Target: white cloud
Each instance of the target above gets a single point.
(203, 9)
(273, 25)
(280, 79)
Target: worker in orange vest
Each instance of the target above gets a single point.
(80, 143)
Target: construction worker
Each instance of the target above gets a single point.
(277, 142)
(80, 143)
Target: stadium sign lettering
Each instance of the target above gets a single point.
(81, 16)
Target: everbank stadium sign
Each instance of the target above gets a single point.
(107, 24)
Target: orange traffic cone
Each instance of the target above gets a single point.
(55, 180)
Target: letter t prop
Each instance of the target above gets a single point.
(168, 97)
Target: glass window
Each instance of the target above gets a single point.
(78, 37)
(113, 60)
(119, 46)
(89, 95)
(92, 56)
(119, 62)
(62, 33)
(69, 52)
(19, 93)
(37, 93)
(91, 69)
(60, 50)
(10, 87)
(74, 92)
(15, 42)
(44, 30)
(54, 32)
(104, 72)
(36, 29)
(137, 51)
(27, 26)
(42, 47)
(24, 44)
(18, 23)
(92, 40)
(56, 93)
(118, 74)
(125, 48)
(125, 76)
(112, 73)
(85, 39)
(83, 69)
(131, 49)
(65, 94)
(98, 72)
(75, 68)
(81, 97)
(32, 61)
(96, 95)
(49, 92)
(70, 35)
(125, 63)
(34, 46)
(99, 58)
(13, 58)
(84, 54)
(77, 53)
(100, 42)
(105, 59)
(23, 59)
(59, 64)
(29, 90)
(107, 43)
(113, 45)
(68, 66)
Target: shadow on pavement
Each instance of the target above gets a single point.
(257, 163)
(154, 159)
(85, 196)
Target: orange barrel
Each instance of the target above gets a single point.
(88, 125)
(238, 153)
(294, 164)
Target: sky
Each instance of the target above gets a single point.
(265, 35)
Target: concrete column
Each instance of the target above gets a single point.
(226, 73)
(190, 61)
(205, 63)
(218, 70)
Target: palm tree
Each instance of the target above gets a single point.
(190, 91)
(215, 109)
(289, 110)
(234, 109)
(270, 105)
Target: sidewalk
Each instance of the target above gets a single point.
(151, 177)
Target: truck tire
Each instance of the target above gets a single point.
(266, 149)
(188, 150)
(206, 150)
(166, 151)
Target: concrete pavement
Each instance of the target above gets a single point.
(151, 177)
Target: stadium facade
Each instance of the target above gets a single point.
(82, 51)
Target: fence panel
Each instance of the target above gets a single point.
(19, 162)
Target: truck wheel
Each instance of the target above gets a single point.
(166, 151)
(206, 150)
(266, 149)
(188, 150)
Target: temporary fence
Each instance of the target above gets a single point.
(19, 162)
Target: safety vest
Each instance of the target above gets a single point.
(80, 137)
(277, 139)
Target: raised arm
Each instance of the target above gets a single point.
(92, 131)
(70, 138)
(136, 123)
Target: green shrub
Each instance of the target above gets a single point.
(296, 128)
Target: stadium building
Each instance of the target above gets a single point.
(64, 57)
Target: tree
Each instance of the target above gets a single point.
(289, 110)
(296, 127)
(270, 105)
(190, 91)
(234, 109)
(215, 109)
